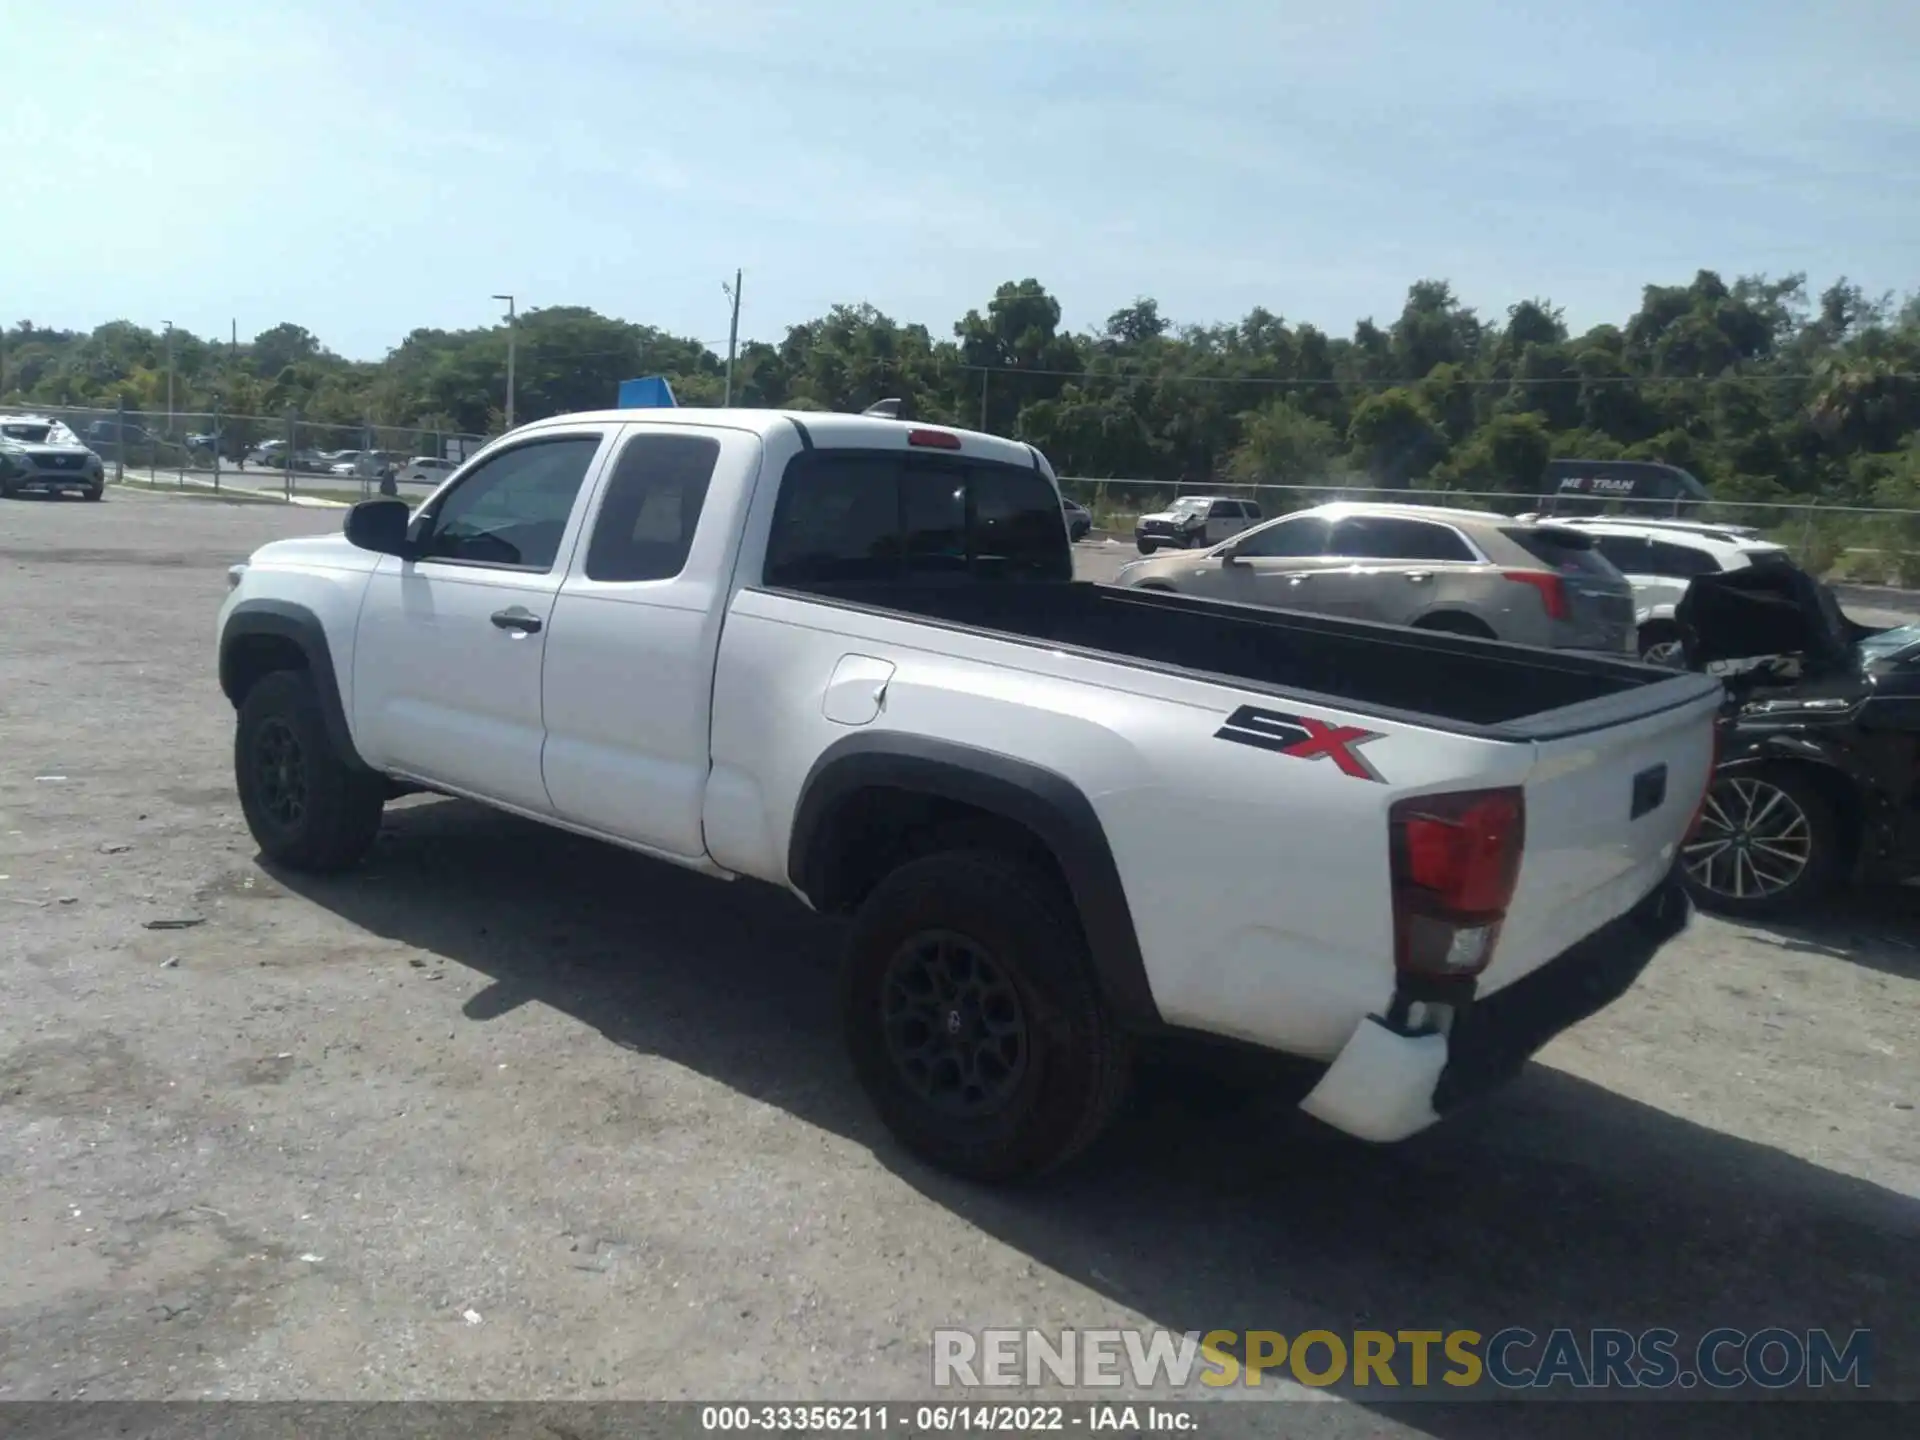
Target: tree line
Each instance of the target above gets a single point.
(1759, 387)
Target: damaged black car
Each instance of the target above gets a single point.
(1819, 745)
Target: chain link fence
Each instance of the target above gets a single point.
(290, 457)
(1864, 545)
(285, 456)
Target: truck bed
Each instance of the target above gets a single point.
(1424, 677)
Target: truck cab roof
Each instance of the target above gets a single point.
(823, 429)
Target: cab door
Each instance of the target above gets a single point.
(449, 646)
(1225, 519)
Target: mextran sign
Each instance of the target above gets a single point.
(651, 392)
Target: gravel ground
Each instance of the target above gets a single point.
(512, 1115)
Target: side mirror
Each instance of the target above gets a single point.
(1228, 554)
(380, 526)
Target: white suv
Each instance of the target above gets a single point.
(1659, 559)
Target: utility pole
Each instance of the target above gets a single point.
(169, 325)
(733, 330)
(510, 339)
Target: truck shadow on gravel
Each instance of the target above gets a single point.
(1875, 927)
(1555, 1203)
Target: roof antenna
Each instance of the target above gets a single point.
(884, 409)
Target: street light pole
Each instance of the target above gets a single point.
(733, 331)
(169, 325)
(510, 338)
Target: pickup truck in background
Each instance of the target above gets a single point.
(847, 656)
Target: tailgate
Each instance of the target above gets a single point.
(1606, 811)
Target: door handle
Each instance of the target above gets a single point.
(1299, 579)
(517, 619)
(1419, 574)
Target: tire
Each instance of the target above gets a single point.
(1659, 644)
(1145, 547)
(321, 817)
(94, 494)
(1456, 625)
(1058, 1086)
(1748, 881)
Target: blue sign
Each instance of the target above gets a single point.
(650, 393)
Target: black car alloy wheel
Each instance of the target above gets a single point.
(280, 773)
(1754, 841)
(955, 1028)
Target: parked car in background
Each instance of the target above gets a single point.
(1193, 521)
(1819, 763)
(107, 438)
(274, 455)
(344, 462)
(1465, 572)
(1661, 557)
(1079, 519)
(43, 455)
(427, 470)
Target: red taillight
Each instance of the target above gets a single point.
(1553, 590)
(1455, 862)
(934, 439)
(1706, 790)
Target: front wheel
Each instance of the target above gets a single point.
(973, 1018)
(1769, 842)
(308, 807)
(1145, 547)
(95, 493)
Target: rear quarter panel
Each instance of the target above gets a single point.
(1257, 881)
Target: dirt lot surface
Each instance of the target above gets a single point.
(512, 1115)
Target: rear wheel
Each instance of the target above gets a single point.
(1660, 644)
(308, 808)
(1455, 625)
(1769, 842)
(973, 1018)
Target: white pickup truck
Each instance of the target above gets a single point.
(847, 656)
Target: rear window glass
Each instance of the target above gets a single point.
(851, 516)
(1565, 551)
(1682, 562)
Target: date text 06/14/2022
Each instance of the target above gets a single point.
(946, 1418)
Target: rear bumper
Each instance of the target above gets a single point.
(1389, 1083)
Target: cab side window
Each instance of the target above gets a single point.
(512, 510)
(651, 507)
(1285, 539)
(1383, 537)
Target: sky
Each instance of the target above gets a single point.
(365, 169)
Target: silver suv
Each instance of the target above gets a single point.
(41, 454)
(1466, 572)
